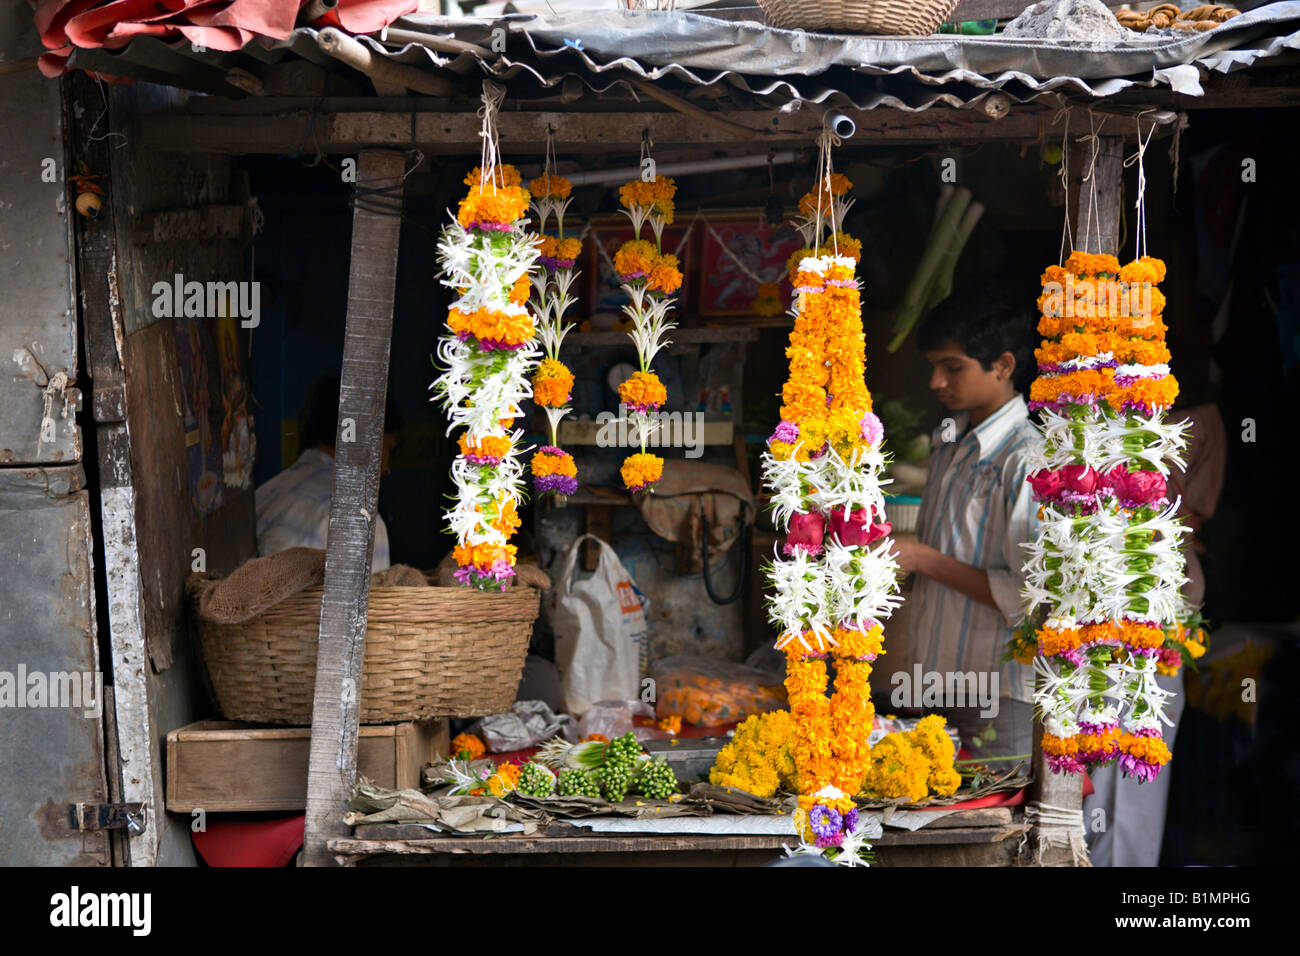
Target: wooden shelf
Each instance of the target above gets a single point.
(681, 338)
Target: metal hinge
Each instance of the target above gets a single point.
(108, 816)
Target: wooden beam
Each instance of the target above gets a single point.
(372, 279)
(576, 132)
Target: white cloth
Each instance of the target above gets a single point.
(293, 509)
(977, 507)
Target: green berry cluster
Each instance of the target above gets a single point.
(577, 783)
(656, 779)
(536, 780)
(620, 764)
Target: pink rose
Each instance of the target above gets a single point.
(807, 532)
(1081, 479)
(1136, 487)
(857, 529)
(1047, 483)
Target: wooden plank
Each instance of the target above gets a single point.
(523, 133)
(265, 768)
(413, 839)
(376, 226)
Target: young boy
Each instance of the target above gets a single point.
(976, 511)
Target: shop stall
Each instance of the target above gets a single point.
(638, 99)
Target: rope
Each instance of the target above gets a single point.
(1094, 219)
(1066, 231)
(1167, 16)
(825, 143)
(1140, 158)
(1055, 827)
(490, 151)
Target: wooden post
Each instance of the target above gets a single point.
(1099, 184)
(372, 277)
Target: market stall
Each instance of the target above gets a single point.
(541, 91)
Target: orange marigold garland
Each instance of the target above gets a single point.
(486, 257)
(554, 470)
(835, 577)
(649, 277)
(1103, 578)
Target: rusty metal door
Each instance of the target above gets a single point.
(52, 737)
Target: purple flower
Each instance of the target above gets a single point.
(1143, 771)
(787, 432)
(558, 484)
(827, 842)
(825, 821)
(851, 820)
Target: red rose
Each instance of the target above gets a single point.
(806, 531)
(1139, 487)
(1080, 478)
(1047, 483)
(857, 529)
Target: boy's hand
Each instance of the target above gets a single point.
(910, 554)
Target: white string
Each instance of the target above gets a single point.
(1093, 221)
(1066, 230)
(826, 141)
(1140, 158)
(493, 95)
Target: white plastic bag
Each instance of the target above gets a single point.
(599, 624)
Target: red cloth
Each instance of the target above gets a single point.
(251, 842)
(221, 25)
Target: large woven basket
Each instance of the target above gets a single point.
(898, 17)
(430, 652)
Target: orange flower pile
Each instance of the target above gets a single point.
(489, 326)
(552, 186)
(1092, 306)
(467, 744)
(642, 390)
(656, 194)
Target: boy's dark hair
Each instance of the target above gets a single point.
(984, 326)
(320, 415)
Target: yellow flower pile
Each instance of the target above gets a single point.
(914, 764)
(758, 760)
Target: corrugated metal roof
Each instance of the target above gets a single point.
(910, 73)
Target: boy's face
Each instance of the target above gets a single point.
(962, 384)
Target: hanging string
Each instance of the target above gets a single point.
(493, 95)
(1067, 233)
(1140, 158)
(1093, 222)
(826, 141)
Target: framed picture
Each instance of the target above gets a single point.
(725, 288)
(602, 287)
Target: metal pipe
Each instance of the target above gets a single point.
(839, 124)
(315, 9)
(720, 164)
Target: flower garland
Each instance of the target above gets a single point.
(486, 256)
(649, 277)
(835, 575)
(554, 471)
(1105, 572)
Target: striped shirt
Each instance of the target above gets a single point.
(977, 507)
(293, 509)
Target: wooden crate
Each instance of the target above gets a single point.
(226, 765)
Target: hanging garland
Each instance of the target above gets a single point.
(1104, 576)
(835, 576)
(554, 471)
(649, 278)
(486, 256)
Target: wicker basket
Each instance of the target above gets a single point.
(430, 652)
(899, 17)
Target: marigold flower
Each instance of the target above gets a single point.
(552, 384)
(550, 186)
(642, 391)
(641, 470)
(467, 743)
(664, 275)
(634, 259)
